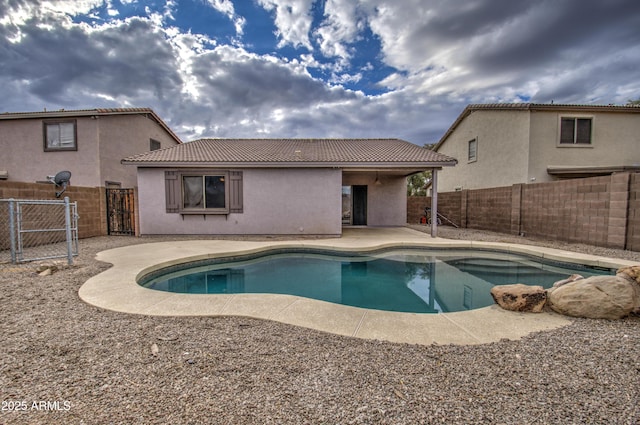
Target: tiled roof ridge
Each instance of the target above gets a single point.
(297, 139)
(87, 110)
(292, 151)
(532, 105)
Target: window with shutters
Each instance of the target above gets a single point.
(203, 192)
(60, 136)
(575, 131)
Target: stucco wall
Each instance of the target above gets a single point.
(23, 155)
(102, 143)
(502, 151)
(387, 202)
(122, 136)
(275, 201)
(615, 141)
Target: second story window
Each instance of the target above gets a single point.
(60, 136)
(154, 145)
(575, 131)
(473, 150)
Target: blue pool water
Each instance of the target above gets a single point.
(419, 281)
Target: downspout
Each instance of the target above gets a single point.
(434, 203)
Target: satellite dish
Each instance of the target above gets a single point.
(62, 179)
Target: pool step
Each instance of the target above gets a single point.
(499, 272)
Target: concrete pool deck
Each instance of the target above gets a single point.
(117, 289)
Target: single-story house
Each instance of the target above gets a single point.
(512, 143)
(277, 186)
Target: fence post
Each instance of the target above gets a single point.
(67, 225)
(434, 203)
(516, 209)
(12, 230)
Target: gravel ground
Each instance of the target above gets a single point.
(63, 361)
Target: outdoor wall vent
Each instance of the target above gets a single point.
(457, 188)
(4, 174)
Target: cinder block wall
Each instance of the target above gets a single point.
(633, 217)
(488, 209)
(91, 203)
(572, 210)
(601, 211)
(448, 205)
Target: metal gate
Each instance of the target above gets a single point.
(38, 230)
(121, 212)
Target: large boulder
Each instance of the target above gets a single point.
(519, 297)
(596, 297)
(631, 273)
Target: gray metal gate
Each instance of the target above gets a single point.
(38, 230)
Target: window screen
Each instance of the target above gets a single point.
(575, 130)
(60, 135)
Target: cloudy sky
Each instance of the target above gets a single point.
(315, 68)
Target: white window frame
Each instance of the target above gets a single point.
(575, 144)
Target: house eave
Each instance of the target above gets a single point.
(347, 166)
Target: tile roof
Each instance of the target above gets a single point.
(305, 152)
(533, 107)
(66, 113)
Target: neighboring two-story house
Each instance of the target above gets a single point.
(504, 144)
(88, 143)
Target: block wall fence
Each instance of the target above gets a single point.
(91, 202)
(601, 211)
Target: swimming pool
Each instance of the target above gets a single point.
(404, 280)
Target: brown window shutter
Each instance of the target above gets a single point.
(172, 191)
(235, 192)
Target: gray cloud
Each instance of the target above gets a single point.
(120, 61)
(447, 55)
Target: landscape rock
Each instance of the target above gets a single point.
(519, 297)
(631, 273)
(46, 272)
(47, 269)
(571, 278)
(596, 297)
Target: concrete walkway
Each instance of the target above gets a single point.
(117, 289)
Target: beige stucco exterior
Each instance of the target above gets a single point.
(277, 201)
(518, 145)
(102, 142)
(386, 202)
